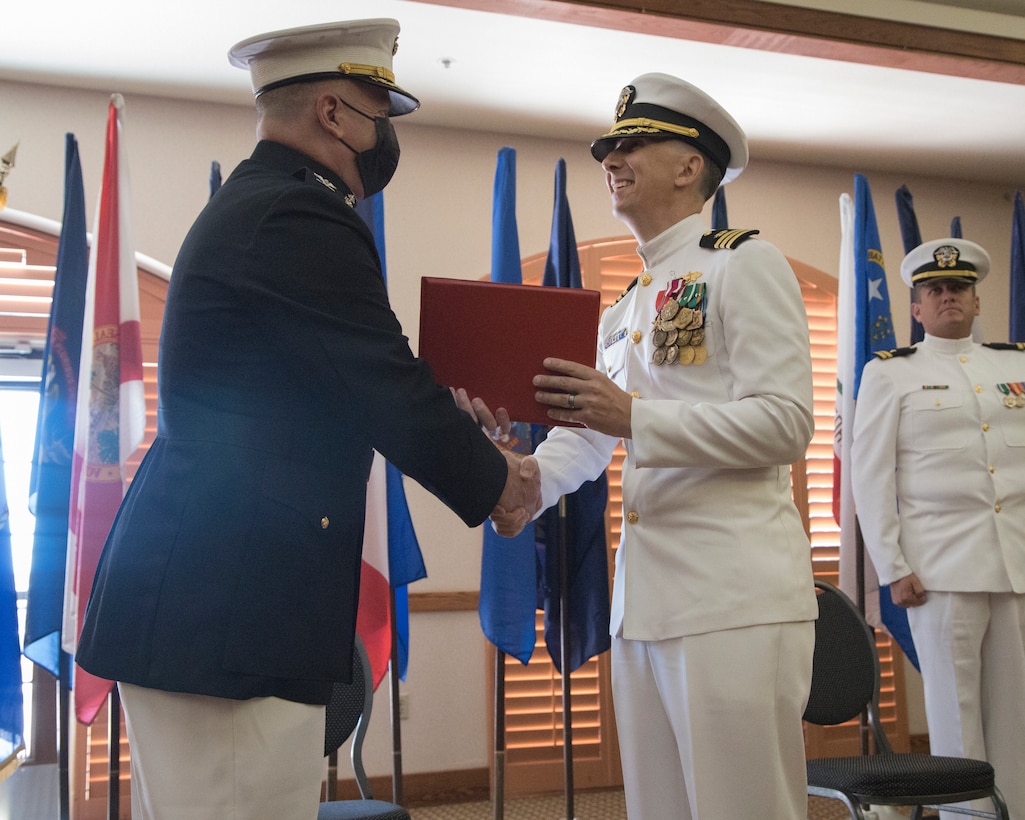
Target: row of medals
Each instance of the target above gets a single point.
(678, 335)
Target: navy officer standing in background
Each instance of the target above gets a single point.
(225, 600)
(938, 472)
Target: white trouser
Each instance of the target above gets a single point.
(710, 725)
(205, 758)
(971, 649)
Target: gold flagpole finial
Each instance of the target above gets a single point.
(6, 164)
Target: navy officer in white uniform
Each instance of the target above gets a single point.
(939, 482)
(704, 372)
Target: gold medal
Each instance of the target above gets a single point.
(684, 337)
(686, 355)
(669, 309)
(700, 354)
(697, 321)
(697, 336)
(683, 318)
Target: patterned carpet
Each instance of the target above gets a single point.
(591, 805)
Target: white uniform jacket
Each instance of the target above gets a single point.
(711, 537)
(933, 431)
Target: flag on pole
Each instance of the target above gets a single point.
(1016, 317)
(111, 413)
(12, 719)
(587, 556)
(955, 227)
(391, 553)
(50, 484)
(912, 238)
(509, 571)
(720, 220)
(864, 326)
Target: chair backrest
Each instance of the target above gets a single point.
(845, 668)
(348, 714)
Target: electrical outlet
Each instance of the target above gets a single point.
(404, 706)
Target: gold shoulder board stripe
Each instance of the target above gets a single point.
(625, 292)
(727, 238)
(1005, 345)
(892, 354)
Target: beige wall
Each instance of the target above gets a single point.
(438, 223)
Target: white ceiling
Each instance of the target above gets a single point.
(512, 74)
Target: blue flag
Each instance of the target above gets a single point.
(509, 570)
(405, 561)
(50, 487)
(1016, 318)
(12, 714)
(587, 555)
(912, 238)
(955, 227)
(720, 220)
(873, 330)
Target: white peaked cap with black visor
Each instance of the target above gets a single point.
(660, 105)
(359, 50)
(947, 258)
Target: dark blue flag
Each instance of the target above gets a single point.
(587, 556)
(50, 488)
(912, 238)
(720, 220)
(874, 331)
(1016, 318)
(12, 714)
(955, 227)
(509, 571)
(405, 561)
(215, 177)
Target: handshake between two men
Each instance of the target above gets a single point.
(576, 394)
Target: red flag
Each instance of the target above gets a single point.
(374, 616)
(111, 414)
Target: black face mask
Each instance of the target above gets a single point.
(376, 165)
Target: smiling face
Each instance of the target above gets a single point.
(652, 183)
(946, 307)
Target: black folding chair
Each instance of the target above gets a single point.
(845, 683)
(348, 713)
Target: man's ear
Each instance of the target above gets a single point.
(690, 168)
(329, 114)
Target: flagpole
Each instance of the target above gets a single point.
(64, 733)
(113, 755)
(567, 700)
(499, 784)
(396, 715)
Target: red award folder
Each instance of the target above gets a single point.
(491, 338)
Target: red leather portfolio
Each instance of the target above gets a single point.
(491, 338)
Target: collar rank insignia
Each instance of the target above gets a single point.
(727, 238)
(892, 354)
(325, 182)
(1005, 345)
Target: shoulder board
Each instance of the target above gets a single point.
(1005, 345)
(629, 288)
(892, 354)
(727, 238)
